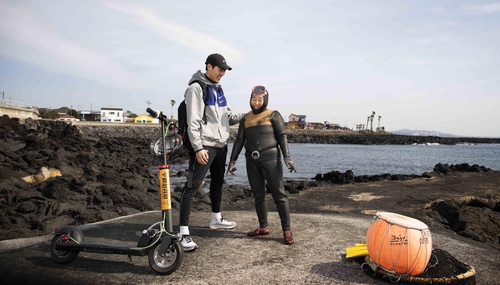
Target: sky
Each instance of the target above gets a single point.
(419, 65)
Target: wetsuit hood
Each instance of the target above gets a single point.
(263, 107)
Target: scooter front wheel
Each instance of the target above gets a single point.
(61, 256)
(167, 263)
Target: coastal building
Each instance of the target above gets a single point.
(68, 118)
(89, 115)
(299, 122)
(331, 126)
(112, 115)
(296, 122)
(145, 119)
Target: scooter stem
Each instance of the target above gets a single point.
(164, 170)
(165, 198)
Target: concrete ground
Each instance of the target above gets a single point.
(227, 256)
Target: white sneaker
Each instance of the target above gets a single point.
(221, 224)
(188, 244)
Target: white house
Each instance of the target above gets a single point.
(112, 115)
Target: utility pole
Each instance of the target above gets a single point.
(172, 102)
(3, 96)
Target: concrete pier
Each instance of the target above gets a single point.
(18, 110)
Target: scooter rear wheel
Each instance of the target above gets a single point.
(167, 263)
(61, 256)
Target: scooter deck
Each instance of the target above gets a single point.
(102, 248)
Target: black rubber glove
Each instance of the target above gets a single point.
(230, 168)
(290, 165)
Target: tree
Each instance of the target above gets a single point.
(48, 113)
(379, 117)
(72, 112)
(129, 114)
(371, 119)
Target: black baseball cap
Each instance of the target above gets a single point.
(216, 59)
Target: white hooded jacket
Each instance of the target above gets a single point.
(208, 121)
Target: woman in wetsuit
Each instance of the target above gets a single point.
(262, 132)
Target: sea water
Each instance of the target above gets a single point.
(312, 159)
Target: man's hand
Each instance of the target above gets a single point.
(290, 165)
(230, 168)
(202, 157)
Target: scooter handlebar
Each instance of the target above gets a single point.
(152, 112)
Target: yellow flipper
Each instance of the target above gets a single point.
(357, 250)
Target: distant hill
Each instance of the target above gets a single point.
(406, 132)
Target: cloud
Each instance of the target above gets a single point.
(483, 9)
(428, 41)
(184, 36)
(28, 40)
(419, 62)
(439, 11)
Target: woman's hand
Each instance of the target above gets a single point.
(230, 168)
(290, 165)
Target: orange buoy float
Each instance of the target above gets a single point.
(399, 244)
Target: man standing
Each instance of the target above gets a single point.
(208, 121)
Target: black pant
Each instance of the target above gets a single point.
(272, 172)
(196, 174)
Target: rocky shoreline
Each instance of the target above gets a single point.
(380, 138)
(110, 130)
(84, 174)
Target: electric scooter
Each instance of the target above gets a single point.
(158, 241)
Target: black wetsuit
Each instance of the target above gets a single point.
(264, 138)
